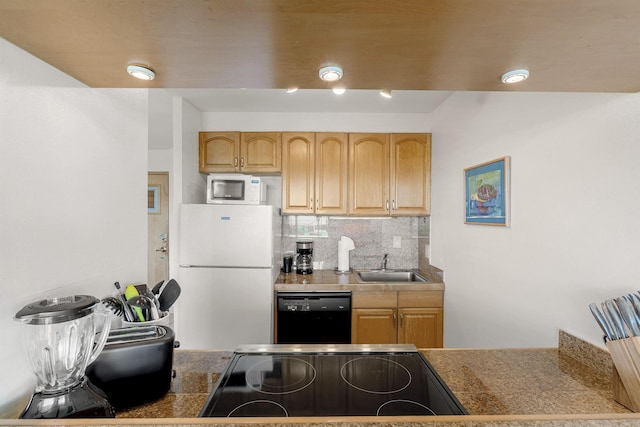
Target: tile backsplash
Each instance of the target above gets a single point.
(372, 237)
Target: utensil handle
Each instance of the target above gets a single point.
(609, 321)
(628, 315)
(128, 311)
(601, 321)
(617, 319)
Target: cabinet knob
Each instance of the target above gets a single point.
(235, 162)
(241, 162)
(393, 205)
(387, 206)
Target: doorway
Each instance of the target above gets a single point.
(158, 227)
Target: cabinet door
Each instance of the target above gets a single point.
(260, 152)
(410, 174)
(373, 326)
(368, 174)
(331, 167)
(298, 151)
(219, 152)
(421, 327)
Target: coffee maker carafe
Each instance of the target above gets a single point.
(304, 259)
(62, 339)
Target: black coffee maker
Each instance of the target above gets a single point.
(304, 259)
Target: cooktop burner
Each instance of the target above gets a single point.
(279, 374)
(337, 380)
(372, 374)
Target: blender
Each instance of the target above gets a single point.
(61, 338)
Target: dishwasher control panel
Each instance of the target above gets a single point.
(314, 301)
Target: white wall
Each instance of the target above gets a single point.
(72, 197)
(187, 185)
(194, 184)
(160, 131)
(575, 236)
(160, 160)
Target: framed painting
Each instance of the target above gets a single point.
(153, 200)
(487, 193)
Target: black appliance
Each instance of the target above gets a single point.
(339, 380)
(304, 259)
(135, 366)
(313, 317)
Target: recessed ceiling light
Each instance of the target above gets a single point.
(339, 90)
(292, 89)
(515, 76)
(141, 72)
(386, 93)
(331, 73)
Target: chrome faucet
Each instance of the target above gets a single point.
(385, 259)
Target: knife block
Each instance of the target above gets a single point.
(625, 354)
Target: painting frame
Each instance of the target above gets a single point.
(487, 193)
(153, 199)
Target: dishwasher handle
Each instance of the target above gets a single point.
(314, 301)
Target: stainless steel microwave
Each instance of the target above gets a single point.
(236, 189)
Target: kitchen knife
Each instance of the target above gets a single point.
(635, 300)
(617, 324)
(601, 321)
(628, 315)
(614, 331)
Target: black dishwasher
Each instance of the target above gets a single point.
(313, 318)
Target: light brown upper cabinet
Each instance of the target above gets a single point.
(219, 152)
(314, 173)
(389, 174)
(260, 152)
(410, 174)
(246, 152)
(369, 174)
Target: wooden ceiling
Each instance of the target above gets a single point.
(449, 45)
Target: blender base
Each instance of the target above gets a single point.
(84, 400)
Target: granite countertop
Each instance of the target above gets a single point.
(498, 387)
(326, 280)
(196, 375)
(487, 382)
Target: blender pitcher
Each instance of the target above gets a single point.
(61, 341)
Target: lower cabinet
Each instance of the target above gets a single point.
(421, 327)
(403, 317)
(373, 326)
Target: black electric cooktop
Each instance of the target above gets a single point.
(331, 380)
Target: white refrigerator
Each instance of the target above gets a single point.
(229, 259)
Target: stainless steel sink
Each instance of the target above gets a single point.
(395, 276)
